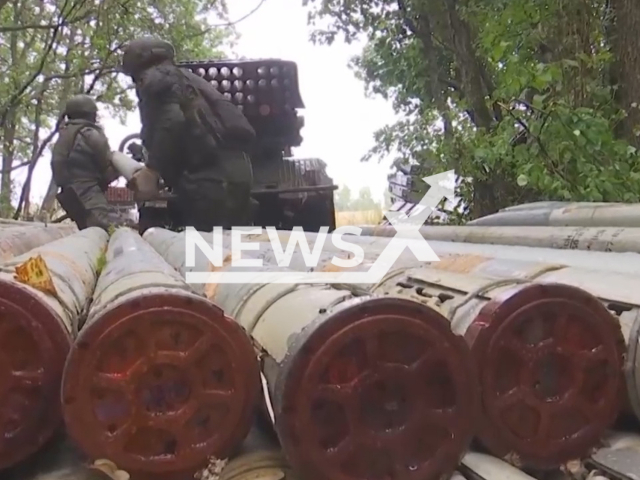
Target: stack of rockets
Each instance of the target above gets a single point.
(514, 357)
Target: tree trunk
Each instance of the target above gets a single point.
(8, 153)
(626, 47)
(48, 202)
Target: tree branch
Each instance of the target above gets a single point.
(15, 167)
(15, 97)
(34, 160)
(44, 26)
(26, 187)
(424, 33)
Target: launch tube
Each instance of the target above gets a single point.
(545, 204)
(629, 319)
(617, 289)
(18, 240)
(485, 467)
(612, 287)
(619, 458)
(159, 379)
(628, 263)
(60, 459)
(7, 222)
(171, 246)
(261, 458)
(564, 238)
(360, 386)
(574, 215)
(37, 329)
(549, 358)
(587, 264)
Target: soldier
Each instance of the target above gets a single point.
(82, 169)
(196, 140)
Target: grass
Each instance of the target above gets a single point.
(367, 217)
(102, 262)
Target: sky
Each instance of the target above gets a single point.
(339, 120)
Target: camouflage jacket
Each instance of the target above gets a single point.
(81, 154)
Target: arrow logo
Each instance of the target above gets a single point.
(440, 187)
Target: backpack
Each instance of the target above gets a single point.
(217, 115)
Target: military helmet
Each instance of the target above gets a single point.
(145, 52)
(81, 106)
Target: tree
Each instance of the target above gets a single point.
(343, 199)
(364, 201)
(526, 99)
(626, 69)
(344, 202)
(50, 50)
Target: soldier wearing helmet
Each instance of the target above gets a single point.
(196, 140)
(81, 167)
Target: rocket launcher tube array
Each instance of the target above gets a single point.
(360, 387)
(18, 240)
(159, 379)
(37, 329)
(549, 355)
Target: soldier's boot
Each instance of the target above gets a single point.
(99, 212)
(108, 218)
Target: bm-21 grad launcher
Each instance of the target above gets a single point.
(288, 191)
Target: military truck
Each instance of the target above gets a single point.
(289, 191)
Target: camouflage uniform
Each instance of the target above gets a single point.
(210, 177)
(81, 162)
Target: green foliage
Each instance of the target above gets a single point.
(344, 201)
(50, 50)
(101, 262)
(516, 95)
